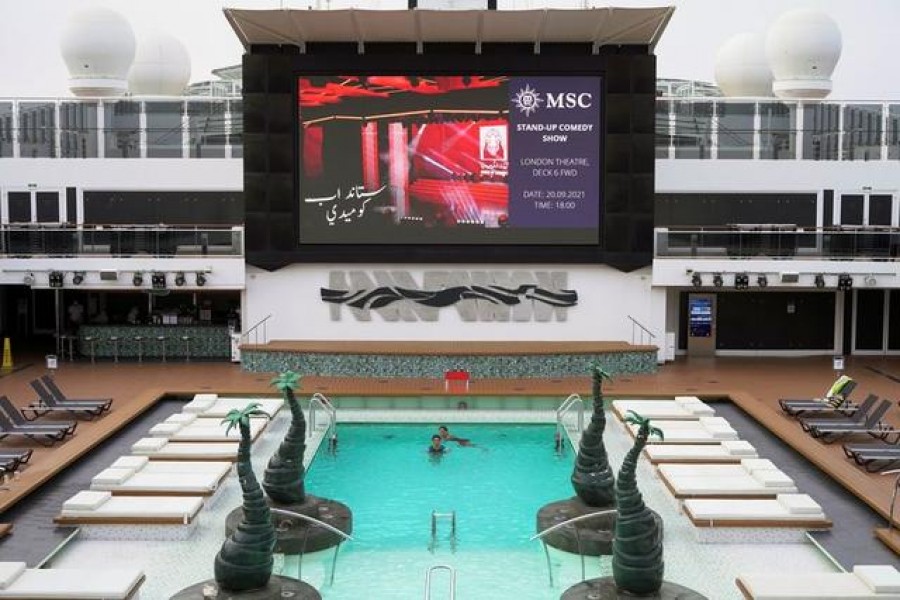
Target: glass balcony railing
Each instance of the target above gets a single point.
(120, 241)
(189, 127)
(841, 242)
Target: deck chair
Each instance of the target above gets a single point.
(857, 416)
(13, 414)
(837, 399)
(873, 425)
(58, 394)
(873, 457)
(48, 403)
(44, 435)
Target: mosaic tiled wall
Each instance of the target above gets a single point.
(380, 365)
(206, 341)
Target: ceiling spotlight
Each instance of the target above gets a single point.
(870, 280)
(138, 279)
(201, 279)
(158, 281)
(845, 281)
(78, 277)
(741, 281)
(56, 279)
(820, 280)
(696, 280)
(179, 279)
(29, 279)
(717, 280)
(762, 280)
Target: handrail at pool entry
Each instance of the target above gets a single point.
(452, 574)
(318, 400)
(568, 403)
(322, 524)
(540, 535)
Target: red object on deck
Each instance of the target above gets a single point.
(456, 379)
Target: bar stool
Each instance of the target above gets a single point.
(114, 340)
(89, 339)
(139, 339)
(187, 347)
(66, 340)
(162, 340)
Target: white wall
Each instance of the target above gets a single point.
(605, 298)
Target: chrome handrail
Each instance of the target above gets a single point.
(323, 525)
(552, 528)
(320, 401)
(641, 327)
(449, 570)
(245, 337)
(567, 404)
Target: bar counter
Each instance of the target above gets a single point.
(149, 341)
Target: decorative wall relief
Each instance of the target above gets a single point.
(485, 296)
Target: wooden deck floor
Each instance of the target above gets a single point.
(754, 384)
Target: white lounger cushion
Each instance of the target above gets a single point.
(141, 507)
(86, 500)
(739, 485)
(744, 509)
(189, 450)
(200, 403)
(748, 466)
(223, 405)
(773, 478)
(135, 463)
(811, 586)
(181, 418)
(211, 430)
(9, 572)
(148, 445)
(111, 477)
(165, 429)
(739, 448)
(663, 409)
(881, 579)
(694, 453)
(156, 467)
(799, 504)
(198, 482)
(74, 584)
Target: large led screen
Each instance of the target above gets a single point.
(476, 159)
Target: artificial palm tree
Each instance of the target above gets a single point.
(283, 479)
(245, 560)
(592, 477)
(637, 547)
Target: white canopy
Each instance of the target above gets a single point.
(597, 26)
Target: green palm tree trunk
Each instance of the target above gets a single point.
(637, 546)
(283, 480)
(592, 477)
(245, 560)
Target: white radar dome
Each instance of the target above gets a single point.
(162, 67)
(742, 68)
(97, 46)
(803, 47)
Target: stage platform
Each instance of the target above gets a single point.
(480, 360)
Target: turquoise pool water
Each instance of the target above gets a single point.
(392, 484)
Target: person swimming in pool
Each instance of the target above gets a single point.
(446, 436)
(436, 447)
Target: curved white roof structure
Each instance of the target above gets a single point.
(803, 47)
(162, 67)
(98, 48)
(742, 69)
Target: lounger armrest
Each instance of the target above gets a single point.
(149, 444)
(112, 476)
(881, 579)
(181, 418)
(200, 403)
(135, 463)
(756, 464)
(799, 504)
(9, 572)
(165, 429)
(739, 448)
(86, 500)
(773, 479)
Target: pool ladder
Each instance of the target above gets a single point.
(435, 516)
(450, 572)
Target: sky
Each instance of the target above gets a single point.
(32, 66)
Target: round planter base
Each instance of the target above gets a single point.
(298, 536)
(604, 588)
(594, 535)
(279, 588)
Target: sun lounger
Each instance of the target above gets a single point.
(48, 403)
(873, 425)
(706, 430)
(46, 436)
(837, 398)
(159, 448)
(213, 405)
(16, 418)
(745, 467)
(873, 457)
(184, 427)
(143, 464)
(729, 451)
(785, 510)
(760, 484)
(19, 582)
(102, 508)
(160, 479)
(688, 408)
(857, 416)
(878, 582)
(57, 393)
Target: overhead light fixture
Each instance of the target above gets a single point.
(201, 279)
(762, 280)
(696, 280)
(158, 281)
(870, 280)
(741, 281)
(820, 280)
(845, 281)
(28, 279)
(179, 279)
(138, 279)
(717, 280)
(56, 279)
(78, 277)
